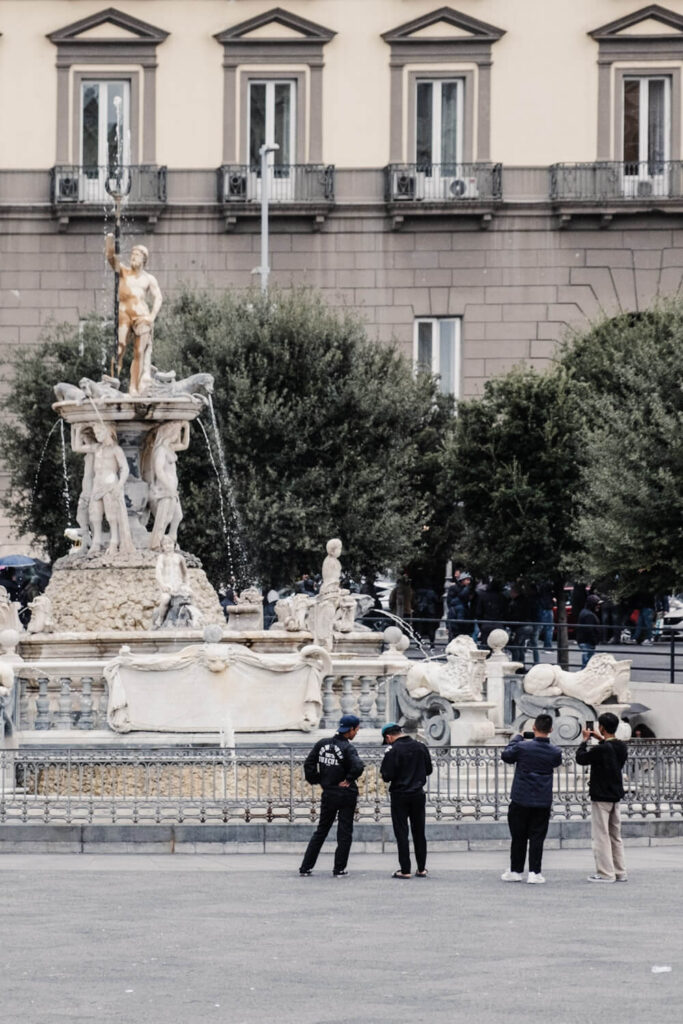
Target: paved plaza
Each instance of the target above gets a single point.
(243, 939)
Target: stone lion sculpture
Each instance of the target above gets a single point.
(460, 679)
(602, 677)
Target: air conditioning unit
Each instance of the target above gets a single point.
(645, 188)
(235, 187)
(68, 189)
(463, 188)
(407, 185)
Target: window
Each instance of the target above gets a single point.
(272, 121)
(438, 137)
(640, 59)
(270, 77)
(104, 135)
(436, 350)
(434, 120)
(646, 134)
(106, 84)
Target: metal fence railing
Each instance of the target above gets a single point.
(213, 785)
(612, 180)
(454, 184)
(287, 183)
(76, 184)
(662, 656)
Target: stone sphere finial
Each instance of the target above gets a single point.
(392, 635)
(213, 634)
(497, 640)
(9, 639)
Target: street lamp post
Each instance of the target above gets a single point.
(264, 269)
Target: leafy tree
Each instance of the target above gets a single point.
(517, 467)
(41, 502)
(629, 520)
(323, 432)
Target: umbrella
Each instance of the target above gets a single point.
(9, 561)
(637, 709)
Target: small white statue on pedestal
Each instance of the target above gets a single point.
(175, 608)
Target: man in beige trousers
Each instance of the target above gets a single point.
(606, 789)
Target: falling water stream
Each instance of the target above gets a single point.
(237, 563)
(65, 491)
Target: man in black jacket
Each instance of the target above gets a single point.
(405, 767)
(531, 797)
(606, 789)
(334, 763)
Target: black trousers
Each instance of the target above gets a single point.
(409, 807)
(340, 803)
(527, 825)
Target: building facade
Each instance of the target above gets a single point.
(474, 180)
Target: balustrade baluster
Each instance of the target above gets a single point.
(63, 717)
(329, 716)
(101, 718)
(23, 705)
(87, 718)
(381, 701)
(42, 704)
(365, 702)
(347, 698)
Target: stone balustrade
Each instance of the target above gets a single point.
(59, 697)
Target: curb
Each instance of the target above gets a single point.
(275, 837)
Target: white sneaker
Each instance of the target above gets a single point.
(512, 876)
(600, 878)
(535, 878)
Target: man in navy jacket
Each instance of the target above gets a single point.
(531, 798)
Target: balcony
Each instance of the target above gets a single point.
(304, 190)
(77, 190)
(610, 187)
(438, 189)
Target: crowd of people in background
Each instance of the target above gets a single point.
(528, 611)
(475, 607)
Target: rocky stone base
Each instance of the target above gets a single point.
(96, 594)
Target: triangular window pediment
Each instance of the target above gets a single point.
(649, 22)
(441, 30)
(276, 24)
(441, 24)
(274, 30)
(108, 25)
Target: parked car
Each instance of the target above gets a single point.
(670, 623)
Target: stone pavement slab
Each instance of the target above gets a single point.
(244, 940)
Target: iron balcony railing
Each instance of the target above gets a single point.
(287, 183)
(616, 181)
(443, 183)
(139, 184)
(212, 785)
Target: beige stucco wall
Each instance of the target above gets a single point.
(544, 84)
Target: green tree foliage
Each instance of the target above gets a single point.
(517, 466)
(30, 441)
(630, 515)
(324, 432)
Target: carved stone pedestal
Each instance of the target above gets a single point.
(472, 724)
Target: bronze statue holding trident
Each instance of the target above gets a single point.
(135, 316)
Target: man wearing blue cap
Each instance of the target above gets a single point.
(405, 767)
(334, 764)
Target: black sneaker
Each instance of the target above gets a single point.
(305, 874)
(340, 874)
